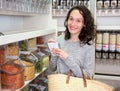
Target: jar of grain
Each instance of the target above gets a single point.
(29, 62)
(12, 49)
(12, 75)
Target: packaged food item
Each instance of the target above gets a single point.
(12, 49)
(29, 62)
(12, 75)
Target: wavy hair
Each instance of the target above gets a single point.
(88, 32)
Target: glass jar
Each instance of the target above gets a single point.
(106, 4)
(32, 45)
(23, 45)
(118, 45)
(113, 3)
(112, 44)
(99, 4)
(12, 75)
(99, 44)
(29, 62)
(105, 44)
(12, 49)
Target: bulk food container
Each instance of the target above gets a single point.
(29, 62)
(12, 75)
(23, 45)
(12, 49)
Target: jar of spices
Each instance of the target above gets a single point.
(106, 4)
(112, 44)
(99, 44)
(114, 4)
(118, 45)
(12, 75)
(99, 4)
(105, 44)
(118, 4)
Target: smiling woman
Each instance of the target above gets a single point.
(77, 48)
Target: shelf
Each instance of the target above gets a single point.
(27, 82)
(109, 28)
(18, 13)
(15, 36)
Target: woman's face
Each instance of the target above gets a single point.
(75, 22)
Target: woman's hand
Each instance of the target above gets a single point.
(51, 40)
(60, 53)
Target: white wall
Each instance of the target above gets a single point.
(10, 23)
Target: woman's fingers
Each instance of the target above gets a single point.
(51, 40)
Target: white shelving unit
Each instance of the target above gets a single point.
(14, 37)
(17, 26)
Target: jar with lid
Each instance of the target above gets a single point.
(118, 45)
(29, 62)
(23, 45)
(99, 44)
(112, 44)
(12, 49)
(118, 3)
(106, 4)
(42, 62)
(12, 74)
(114, 4)
(105, 44)
(99, 4)
(38, 64)
(32, 45)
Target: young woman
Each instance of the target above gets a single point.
(77, 48)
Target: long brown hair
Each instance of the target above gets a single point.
(88, 32)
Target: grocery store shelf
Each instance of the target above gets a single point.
(15, 36)
(27, 82)
(108, 28)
